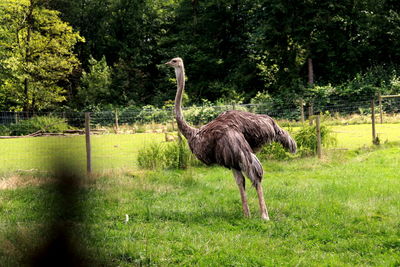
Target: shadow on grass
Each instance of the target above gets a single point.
(61, 246)
(232, 217)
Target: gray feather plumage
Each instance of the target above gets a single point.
(232, 139)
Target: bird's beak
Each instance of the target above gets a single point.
(168, 63)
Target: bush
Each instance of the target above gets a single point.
(151, 157)
(174, 155)
(49, 124)
(262, 103)
(177, 155)
(274, 151)
(4, 130)
(150, 113)
(201, 115)
(306, 139)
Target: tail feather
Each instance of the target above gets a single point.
(233, 152)
(252, 167)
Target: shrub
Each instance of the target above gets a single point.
(39, 123)
(177, 155)
(262, 103)
(201, 115)
(174, 155)
(274, 151)
(4, 130)
(150, 113)
(151, 157)
(306, 139)
(140, 128)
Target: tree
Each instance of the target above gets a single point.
(212, 37)
(37, 54)
(343, 39)
(95, 84)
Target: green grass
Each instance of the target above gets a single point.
(120, 151)
(108, 151)
(341, 211)
(355, 136)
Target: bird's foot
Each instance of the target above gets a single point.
(265, 217)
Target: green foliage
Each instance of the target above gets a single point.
(173, 155)
(378, 79)
(4, 130)
(274, 151)
(151, 157)
(95, 84)
(176, 155)
(203, 114)
(179, 156)
(263, 103)
(150, 113)
(36, 55)
(47, 124)
(306, 139)
(232, 50)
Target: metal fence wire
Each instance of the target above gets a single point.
(31, 141)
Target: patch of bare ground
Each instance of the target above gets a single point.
(14, 181)
(35, 178)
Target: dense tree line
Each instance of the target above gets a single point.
(91, 54)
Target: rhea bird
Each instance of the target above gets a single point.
(231, 140)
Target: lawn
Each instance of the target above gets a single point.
(339, 211)
(120, 151)
(108, 151)
(356, 136)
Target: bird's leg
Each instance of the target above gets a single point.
(241, 184)
(261, 201)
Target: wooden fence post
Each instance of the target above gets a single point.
(318, 128)
(374, 139)
(380, 107)
(88, 145)
(311, 114)
(116, 121)
(302, 111)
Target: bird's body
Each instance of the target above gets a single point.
(231, 140)
(234, 136)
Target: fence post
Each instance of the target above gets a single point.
(380, 107)
(116, 121)
(374, 139)
(88, 146)
(302, 111)
(311, 114)
(318, 127)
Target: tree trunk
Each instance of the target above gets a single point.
(26, 97)
(310, 73)
(29, 20)
(195, 5)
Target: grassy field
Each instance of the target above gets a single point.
(356, 136)
(108, 151)
(340, 211)
(120, 151)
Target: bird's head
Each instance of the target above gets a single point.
(176, 63)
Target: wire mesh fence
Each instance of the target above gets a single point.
(116, 137)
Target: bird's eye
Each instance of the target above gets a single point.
(174, 61)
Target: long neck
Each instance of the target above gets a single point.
(184, 128)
